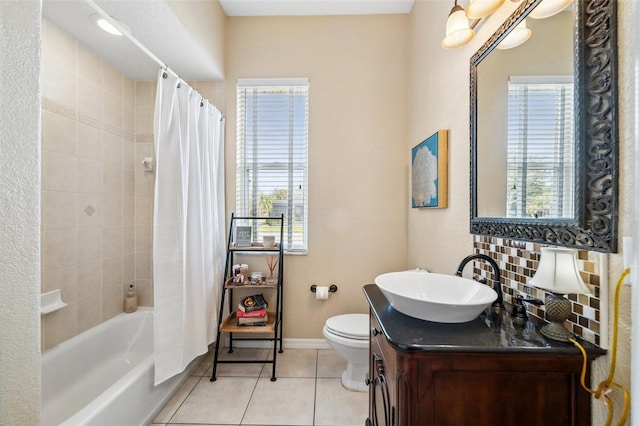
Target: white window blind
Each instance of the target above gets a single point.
(272, 146)
(541, 147)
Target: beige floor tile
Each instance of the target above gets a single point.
(294, 363)
(220, 402)
(242, 370)
(176, 400)
(337, 406)
(330, 364)
(287, 401)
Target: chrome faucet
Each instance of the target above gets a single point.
(497, 306)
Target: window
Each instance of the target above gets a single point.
(540, 146)
(272, 142)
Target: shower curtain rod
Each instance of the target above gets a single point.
(130, 37)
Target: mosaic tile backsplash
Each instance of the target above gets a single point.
(518, 263)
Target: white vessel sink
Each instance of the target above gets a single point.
(435, 297)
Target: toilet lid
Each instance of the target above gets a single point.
(351, 326)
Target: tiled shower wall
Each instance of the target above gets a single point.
(97, 201)
(518, 262)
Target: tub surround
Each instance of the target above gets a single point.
(433, 371)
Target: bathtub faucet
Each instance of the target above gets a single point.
(497, 306)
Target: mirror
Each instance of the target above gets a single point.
(543, 129)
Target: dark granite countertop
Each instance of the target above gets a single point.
(485, 334)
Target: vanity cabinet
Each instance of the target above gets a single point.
(475, 376)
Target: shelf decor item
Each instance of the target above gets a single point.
(272, 262)
(243, 236)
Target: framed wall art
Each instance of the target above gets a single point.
(429, 172)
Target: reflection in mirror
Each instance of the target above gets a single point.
(525, 124)
(544, 128)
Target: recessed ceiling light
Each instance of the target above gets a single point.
(107, 26)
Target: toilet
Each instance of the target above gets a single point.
(348, 335)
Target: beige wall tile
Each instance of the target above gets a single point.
(58, 210)
(111, 271)
(58, 133)
(112, 210)
(59, 172)
(128, 183)
(128, 239)
(144, 290)
(112, 241)
(89, 211)
(89, 244)
(60, 86)
(112, 302)
(144, 121)
(128, 154)
(128, 268)
(143, 266)
(89, 312)
(89, 101)
(89, 66)
(59, 248)
(145, 94)
(129, 118)
(111, 111)
(90, 173)
(143, 149)
(89, 279)
(145, 183)
(128, 211)
(59, 326)
(59, 47)
(112, 80)
(89, 143)
(144, 210)
(144, 235)
(111, 149)
(65, 279)
(112, 180)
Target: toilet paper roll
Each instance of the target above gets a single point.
(322, 292)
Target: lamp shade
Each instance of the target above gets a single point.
(480, 8)
(548, 8)
(558, 272)
(516, 37)
(458, 32)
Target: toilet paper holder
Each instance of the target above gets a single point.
(332, 288)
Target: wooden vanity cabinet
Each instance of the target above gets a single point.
(422, 388)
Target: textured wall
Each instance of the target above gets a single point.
(20, 212)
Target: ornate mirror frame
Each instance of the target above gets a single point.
(594, 226)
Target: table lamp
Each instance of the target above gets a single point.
(558, 274)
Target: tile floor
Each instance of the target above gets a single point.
(308, 392)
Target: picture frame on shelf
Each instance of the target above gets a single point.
(243, 236)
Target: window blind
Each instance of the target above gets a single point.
(272, 160)
(541, 147)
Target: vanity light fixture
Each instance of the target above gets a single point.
(108, 26)
(458, 32)
(516, 37)
(548, 8)
(480, 8)
(558, 274)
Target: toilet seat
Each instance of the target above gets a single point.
(349, 326)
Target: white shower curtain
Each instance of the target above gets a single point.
(188, 224)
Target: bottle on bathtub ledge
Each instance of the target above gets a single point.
(131, 300)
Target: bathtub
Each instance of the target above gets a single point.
(104, 376)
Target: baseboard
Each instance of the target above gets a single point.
(286, 343)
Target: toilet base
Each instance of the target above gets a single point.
(353, 378)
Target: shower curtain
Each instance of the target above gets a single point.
(188, 224)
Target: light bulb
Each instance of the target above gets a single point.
(458, 32)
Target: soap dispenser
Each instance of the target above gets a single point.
(131, 301)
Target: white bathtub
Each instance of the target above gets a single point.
(104, 376)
